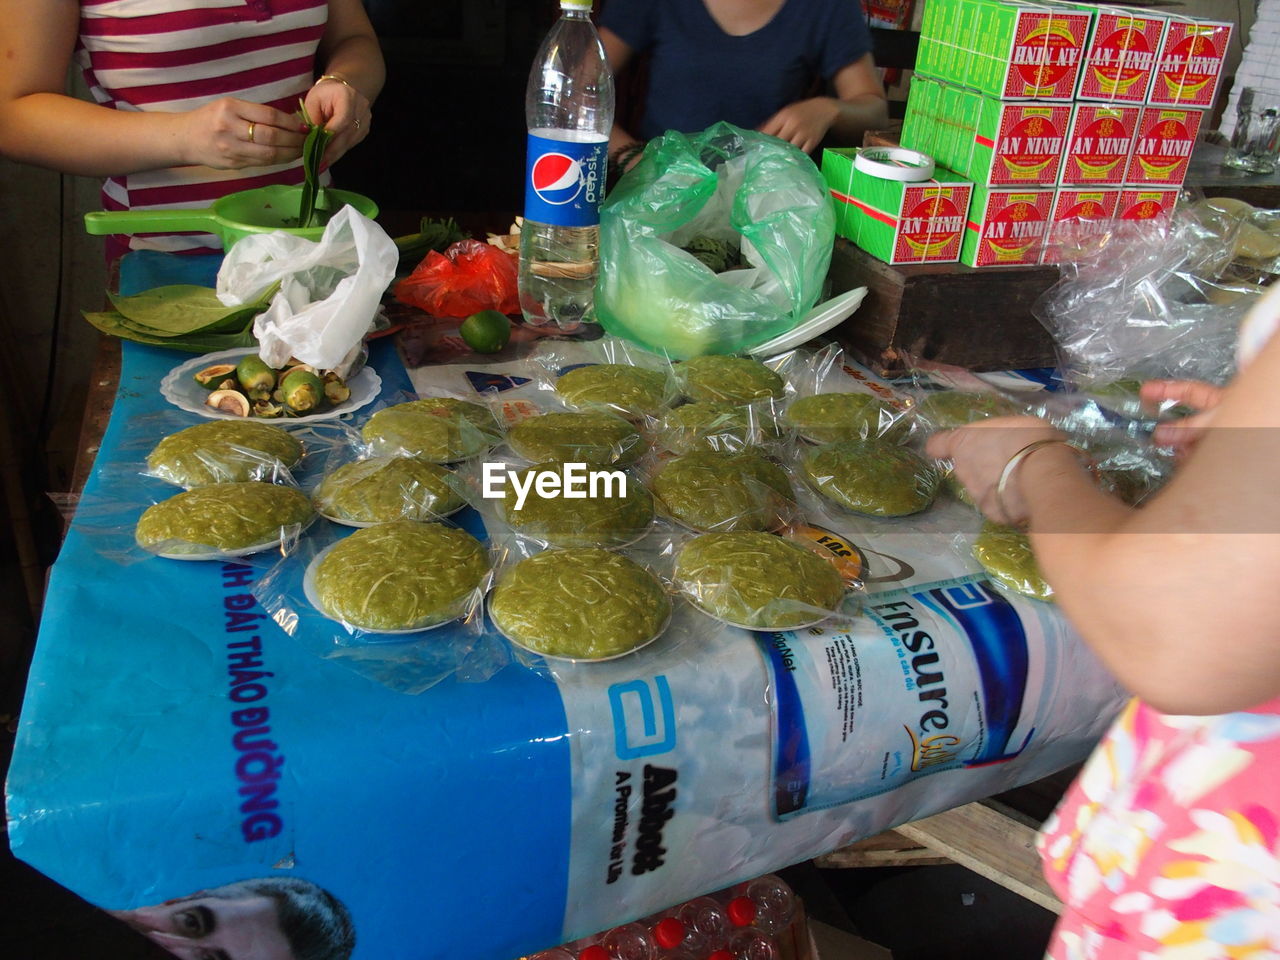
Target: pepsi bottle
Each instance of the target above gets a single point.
(569, 113)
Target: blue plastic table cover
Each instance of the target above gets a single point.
(174, 740)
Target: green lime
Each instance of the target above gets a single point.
(487, 331)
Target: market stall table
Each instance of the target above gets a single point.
(174, 739)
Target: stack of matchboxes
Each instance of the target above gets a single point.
(1055, 113)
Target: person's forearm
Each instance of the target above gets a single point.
(72, 136)
(856, 116)
(1105, 560)
(358, 60)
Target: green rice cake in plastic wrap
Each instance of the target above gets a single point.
(717, 425)
(591, 521)
(383, 489)
(709, 490)
(435, 429)
(222, 517)
(758, 580)
(758, 193)
(625, 389)
(400, 576)
(874, 477)
(830, 417)
(948, 409)
(1006, 555)
(223, 451)
(729, 380)
(580, 604)
(599, 438)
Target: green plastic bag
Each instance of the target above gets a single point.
(753, 190)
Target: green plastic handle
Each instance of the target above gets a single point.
(103, 222)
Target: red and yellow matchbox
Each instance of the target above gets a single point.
(1189, 68)
(1146, 204)
(1120, 58)
(1078, 217)
(1006, 228)
(1099, 144)
(1162, 150)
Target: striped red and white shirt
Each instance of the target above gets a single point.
(176, 55)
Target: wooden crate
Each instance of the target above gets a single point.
(950, 313)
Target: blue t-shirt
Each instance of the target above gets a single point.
(698, 74)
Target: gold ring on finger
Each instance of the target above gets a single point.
(251, 126)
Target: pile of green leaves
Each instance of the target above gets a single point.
(312, 153)
(181, 317)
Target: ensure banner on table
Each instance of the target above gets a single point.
(175, 743)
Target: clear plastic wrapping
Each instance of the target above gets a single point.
(580, 604)
(250, 522)
(438, 429)
(759, 581)
(224, 451)
(400, 603)
(620, 378)
(710, 490)
(599, 438)
(718, 425)
(1006, 556)
(834, 403)
(877, 478)
(360, 493)
(1152, 300)
(561, 504)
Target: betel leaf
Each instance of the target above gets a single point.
(115, 324)
(176, 311)
(312, 153)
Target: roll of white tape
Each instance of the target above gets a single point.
(894, 163)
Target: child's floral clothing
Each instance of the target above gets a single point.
(1168, 844)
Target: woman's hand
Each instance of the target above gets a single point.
(229, 134)
(980, 452)
(804, 123)
(344, 111)
(1183, 434)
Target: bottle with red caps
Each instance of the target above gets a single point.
(705, 925)
(751, 944)
(774, 902)
(631, 941)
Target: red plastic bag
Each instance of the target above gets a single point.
(469, 276)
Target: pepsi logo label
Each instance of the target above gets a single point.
(556, 178)
(564, 181)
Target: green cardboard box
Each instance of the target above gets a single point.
(897, 221)
(1008, 51)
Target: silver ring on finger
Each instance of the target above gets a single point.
(357, 122)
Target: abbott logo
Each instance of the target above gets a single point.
(575, 481)
(644, 718)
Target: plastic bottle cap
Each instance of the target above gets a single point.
(742, 912)
(575, 5)
(669, 933)
(594, 952)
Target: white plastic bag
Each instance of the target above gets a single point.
(329, 290)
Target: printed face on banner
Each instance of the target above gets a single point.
(246, 929)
